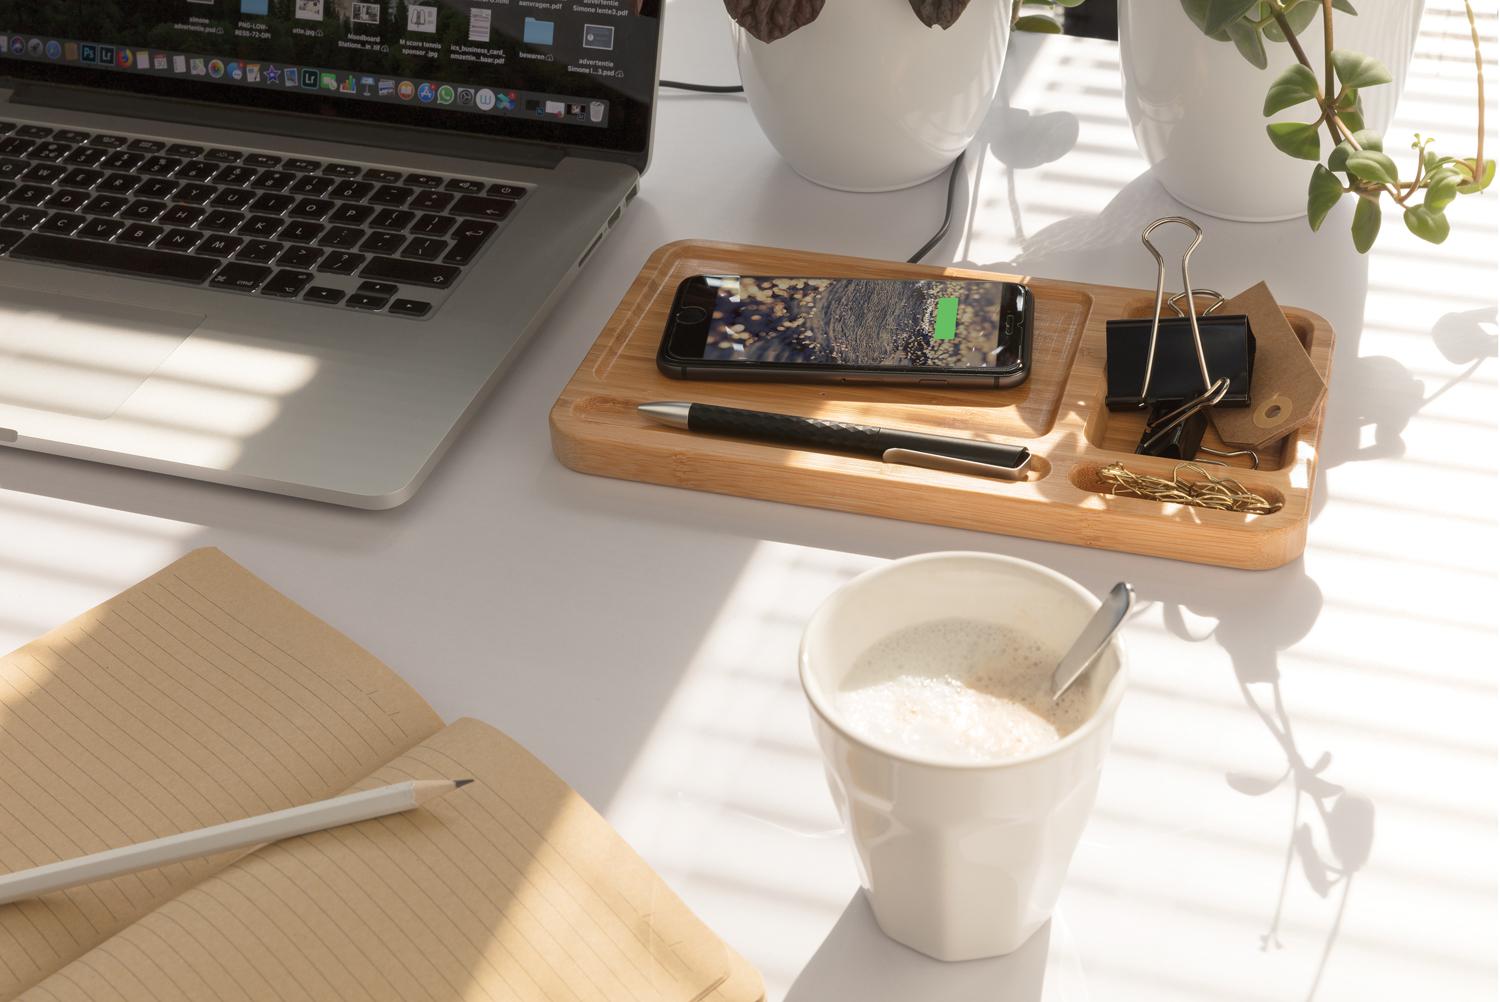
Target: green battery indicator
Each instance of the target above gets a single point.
(945, 326)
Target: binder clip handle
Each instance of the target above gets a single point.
(1187, 297)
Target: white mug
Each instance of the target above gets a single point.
(959, 860)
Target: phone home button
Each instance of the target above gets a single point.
(691, 315)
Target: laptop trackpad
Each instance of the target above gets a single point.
(81, 356)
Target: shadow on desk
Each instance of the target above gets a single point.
(858, 961)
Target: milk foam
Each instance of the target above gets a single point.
(961, 690)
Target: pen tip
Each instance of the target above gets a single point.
(461, 782)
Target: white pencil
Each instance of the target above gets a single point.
(258, 830)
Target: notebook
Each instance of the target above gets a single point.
(202, 695)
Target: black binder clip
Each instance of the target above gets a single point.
(1170, 367)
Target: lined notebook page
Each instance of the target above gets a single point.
(511, 888)
(198, 696)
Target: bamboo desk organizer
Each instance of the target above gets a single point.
(1058, 413)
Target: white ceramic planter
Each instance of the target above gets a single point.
(1195, 104)
(867, 98)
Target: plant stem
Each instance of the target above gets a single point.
(1301, 54)
(1015, 11)
(1328, 52)
(1479, 79)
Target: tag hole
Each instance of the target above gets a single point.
(1273, 412)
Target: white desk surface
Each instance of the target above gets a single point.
(641, 640)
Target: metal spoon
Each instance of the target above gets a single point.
(1096, 636)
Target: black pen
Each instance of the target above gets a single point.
(909, 448)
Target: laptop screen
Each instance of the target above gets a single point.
(574, 72)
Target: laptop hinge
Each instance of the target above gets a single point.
(281, 123)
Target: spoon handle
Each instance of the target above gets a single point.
(1095, 637)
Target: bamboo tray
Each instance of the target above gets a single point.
(1058, 413)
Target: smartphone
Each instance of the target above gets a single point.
(928, 331)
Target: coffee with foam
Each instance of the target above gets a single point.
(959, 690)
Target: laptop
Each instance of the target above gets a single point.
(289, 245)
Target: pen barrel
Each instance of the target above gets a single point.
(786, 429)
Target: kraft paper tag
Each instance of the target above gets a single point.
(1285, 389)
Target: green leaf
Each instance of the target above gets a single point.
(1366, 224)
(1442, 188)
(1368, 139)
(1484, 179)
(1296, 84)
(1338, 160)
(1323, 193)
(1372, 166)
(1355, 69)
(1221, 13)
(1039, 24)
(1429, 224)
(1295, 139)
(1349, 100)
(1298, 17)
(1346, 7)
(1197, 12)
(1246, 38)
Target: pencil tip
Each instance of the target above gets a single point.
(461, 782)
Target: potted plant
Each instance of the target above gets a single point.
(1200, 117)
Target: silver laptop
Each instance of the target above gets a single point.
(290, 244)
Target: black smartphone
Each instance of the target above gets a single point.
(927, 331)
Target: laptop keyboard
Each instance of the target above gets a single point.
(335, 234)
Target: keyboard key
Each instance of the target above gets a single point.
(11, 167)
(312, 185)
(23, 219)
(351, 191)
(433, 225)
(273, 180)
(424, 180)
(481, 207)
(383, 243)
(197, 170)
(342, 170)
(437, 276)
(341, 263)
(147, 145)
(222, 220)
(109, 142)
(302, 166)
(392, 219)
(157, 187)
(101, 229)
(67, 200)
(143, 210)
(262, 226)
(431, 201)
(300, 256)
(6, 128)
(302, 231)
(232, 198)
(241, 277)
(468, 239)
(33, 131)
(12, 146)
(119, 184)
(178, 215)
(70, 136)
(351, 213)
(286, 283)
(81, 177)
(512, 191)
(139, 234)
(323, 294)
(49, 151)
(184, 150)
(382, 176)
(464, 186)
(219, 245)
(85, 156)
(385, 289)
(105, 205)
(44, 173)
(390, 194)
(6, 187)
(425, 248)
(236, 175)
(311, 208)
(364, 301)
(261, 160)
(194, 194)
(259, 252)
(179, 240)
(9, 238)
(223, 156)
(159, 165)
(272, 203)
(62, 223)
(46, 248)
(410, 308)
(29, 194)
(341, 237)
(121, 160)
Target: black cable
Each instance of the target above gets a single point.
(704, 88)
(942, 231)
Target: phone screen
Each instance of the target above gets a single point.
(855, 322)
